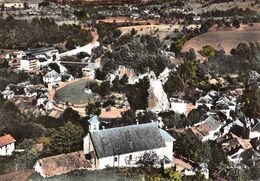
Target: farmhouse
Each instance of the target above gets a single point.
(122, 146)
(7, 145)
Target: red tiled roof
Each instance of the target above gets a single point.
(7, 139)
(112, 114)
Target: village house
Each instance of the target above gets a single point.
(122, 146)
(8, 94)
(7, 145)
(233, 146)
(207, 100)
(208, 129)
(52, 77)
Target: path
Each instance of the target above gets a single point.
(87, 48)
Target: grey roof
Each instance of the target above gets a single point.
(93, 120)
(127, 139)
(213, 122)
(36, 51)
(166, 136)
(51, 74)
(256, 128)
(7, 92)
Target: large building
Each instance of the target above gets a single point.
(20, 4)
(38, 57)
(123, 146)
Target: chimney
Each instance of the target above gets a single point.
(103, 127)
(137, 122)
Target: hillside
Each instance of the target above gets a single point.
(223, 39)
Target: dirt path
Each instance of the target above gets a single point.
(17, 176)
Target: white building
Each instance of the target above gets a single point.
(13, 4)
(122, 146)
(181, 106)
(208, 129)
(89, 70)
(8, 94)
(29, 63)
(52, 77)
(7, 145)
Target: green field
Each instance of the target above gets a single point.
(74, 93)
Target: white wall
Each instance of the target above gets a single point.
(15, 5)
(121, 159)
(254, 134)
(7, 149)
(38, 169)
(51, 80)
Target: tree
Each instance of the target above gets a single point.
(176, 47)
(55, 66)
(137, 94)
(208, 51)
(189, 146)
(197, 115)
(67, 138)
(70, 115)
(236, 23)
(93, 109)
(251, 103)
(27, 158)
(100, 75)
(174, 120)
(148, 161)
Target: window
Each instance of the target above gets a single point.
(95, 127)
(130, 157)
(115, 159)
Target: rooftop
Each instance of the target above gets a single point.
(256, 128)
(127, 139)
(59, 164)
(36, 51)
(51, 74)
(5, 140)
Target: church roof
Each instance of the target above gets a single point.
(127, 139)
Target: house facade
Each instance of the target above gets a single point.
(122, 146)
(7, 145)
(8, 94)
(29, 63)
(52, 77)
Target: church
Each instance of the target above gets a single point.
(122, 146)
